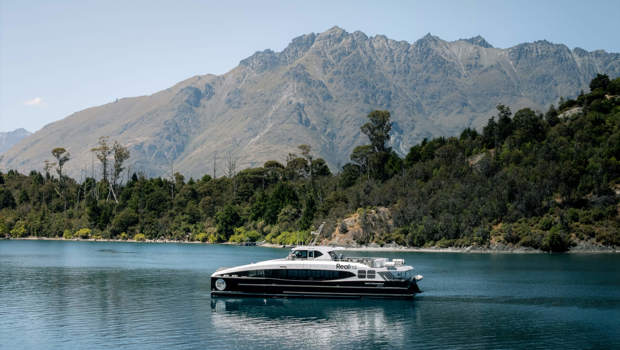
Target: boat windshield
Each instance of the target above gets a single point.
(335, 256)
(298, 254)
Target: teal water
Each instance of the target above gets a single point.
(96, 295)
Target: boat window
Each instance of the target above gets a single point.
(304, 274)
(256, 273)
(301, 254)
(333, 255)
(317, 254)
(371, 274)
(361, 273)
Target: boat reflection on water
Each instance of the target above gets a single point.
(327, 322)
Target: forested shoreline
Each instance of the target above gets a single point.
(544, 181)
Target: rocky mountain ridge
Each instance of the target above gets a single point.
(317, 91)
(10, 138)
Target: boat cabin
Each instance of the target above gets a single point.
(315, 253)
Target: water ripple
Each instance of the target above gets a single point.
(98, 296)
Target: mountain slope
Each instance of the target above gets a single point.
(10, 138)
(318, 91)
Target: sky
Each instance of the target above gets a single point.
(59, 57)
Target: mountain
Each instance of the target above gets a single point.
(8, 139)
(318, 91)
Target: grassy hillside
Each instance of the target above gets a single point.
(528, 179)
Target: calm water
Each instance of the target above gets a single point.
(94, 295)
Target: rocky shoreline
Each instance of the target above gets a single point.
(582, 247)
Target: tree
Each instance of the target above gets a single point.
(6, 199)
(614, 87)
(348, 175)
(62, 156)
(552, 116)
(296, 167)
(528, 126)
(305, 152)
(414, 155)
(102, 152)
(319, 168)
(378, 130)
(489, 134)
(47, 167)
(601, 81)
(227, 219)
(504, 123)
(121, 154)
(361, 156)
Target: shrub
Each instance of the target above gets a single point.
(19, 230)
(532, 240)
(546, 222)
(510, 235)
(555, 241)
(292, 237)
(4, 228)
(443, 243)
(415, 237)
(607, 236)
(83, 233)
(243, 235)
(140, 237)
(67, 235)
(201, 237)
(123, 236)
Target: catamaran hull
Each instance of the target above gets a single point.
(266, 287)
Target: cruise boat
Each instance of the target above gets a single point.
(318, 271)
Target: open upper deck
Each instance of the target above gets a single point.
(336, 254)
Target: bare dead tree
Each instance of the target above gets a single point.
(231, 165)
(214, 164)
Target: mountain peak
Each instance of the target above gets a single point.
(478, 41)
(317, 91)
(261, 60)
(335, 30)
(428, 38)
(10, 138)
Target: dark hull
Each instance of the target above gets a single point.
(268, 287)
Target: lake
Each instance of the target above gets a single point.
(101, 295)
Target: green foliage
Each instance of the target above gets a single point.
(614, 87)
(555, 240)
(139, 237)
(83, 233)
(601, 81)
(528, 180)
(123, 221)
(378, 130)
(242, 235)
(227, 219)
(67, 234)
(6, 199)
(4, 228)
(290, 238)
(19, 230)
(202, 237)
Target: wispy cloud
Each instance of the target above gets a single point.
(37, 101)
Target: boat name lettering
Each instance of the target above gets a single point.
(345, 267)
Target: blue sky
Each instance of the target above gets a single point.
(59, 57)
